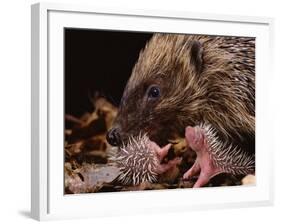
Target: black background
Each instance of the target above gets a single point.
(98, 61)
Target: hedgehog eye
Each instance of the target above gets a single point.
(154, 92)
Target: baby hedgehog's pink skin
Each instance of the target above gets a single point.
(203, 164)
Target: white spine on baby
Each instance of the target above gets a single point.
(230, 158)
(137, 163)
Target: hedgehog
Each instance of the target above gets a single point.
(198, 87)
(137, 162)
(140, 160)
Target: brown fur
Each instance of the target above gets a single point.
(202, 79)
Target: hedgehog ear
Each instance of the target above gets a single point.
(196, 56)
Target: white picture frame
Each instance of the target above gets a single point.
(48, 200)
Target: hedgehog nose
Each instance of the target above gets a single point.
(113, 137)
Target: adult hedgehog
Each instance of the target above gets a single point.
(200, 87)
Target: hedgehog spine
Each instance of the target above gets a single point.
(136, 161)
(230, 158)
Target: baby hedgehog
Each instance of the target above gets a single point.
(140, 161)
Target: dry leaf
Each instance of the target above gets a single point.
(249, 180)
(88, 178)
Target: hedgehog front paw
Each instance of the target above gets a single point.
(161, 154)
(203, 165)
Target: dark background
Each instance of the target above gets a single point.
(98, 62)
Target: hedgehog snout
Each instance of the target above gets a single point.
(113, 137)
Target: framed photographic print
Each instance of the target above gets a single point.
(138, 111)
